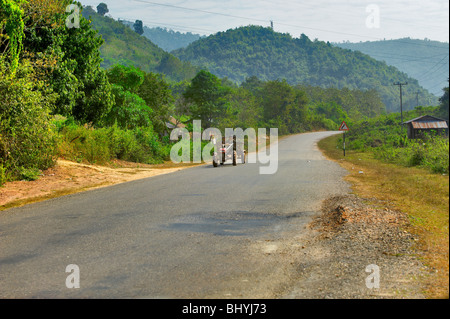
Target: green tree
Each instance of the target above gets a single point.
(206, 97)
(253, 84)
(277, 100)
(11, 32)
(156, 93)
(82, 45)
(331, 111)
(283, 106)
(181, 108)
(243, 110)
(102, 9)
(128, 77)
(138, 27)
(129, 110)
(73, 71)
(299, 113)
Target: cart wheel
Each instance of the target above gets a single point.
(234, 158)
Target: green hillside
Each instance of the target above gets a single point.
(425, 60)
(258, 51)
(124, 46)
(168, 40)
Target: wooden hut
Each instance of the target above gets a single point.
(427, 123)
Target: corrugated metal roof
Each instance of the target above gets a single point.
(430, 125)
(425, 118)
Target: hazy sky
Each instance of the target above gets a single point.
(334, 21)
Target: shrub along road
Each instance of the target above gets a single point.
(205, 232)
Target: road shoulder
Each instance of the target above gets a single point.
(68, 177)
(351, 240)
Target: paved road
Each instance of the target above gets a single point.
(197, 233)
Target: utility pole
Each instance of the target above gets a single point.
(401, 98)
(271, 24)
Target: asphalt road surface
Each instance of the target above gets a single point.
(202, 232)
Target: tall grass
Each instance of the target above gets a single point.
(101, 145)
(431, 153)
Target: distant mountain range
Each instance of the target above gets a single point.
(425, 60)
(257, 51)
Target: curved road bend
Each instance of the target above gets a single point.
(198, 233)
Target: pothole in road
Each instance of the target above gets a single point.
(241, 223)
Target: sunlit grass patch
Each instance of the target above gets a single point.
(423, 195)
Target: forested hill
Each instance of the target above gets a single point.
(258, 51)
(167, 40)
(124, 46)
(425, 60)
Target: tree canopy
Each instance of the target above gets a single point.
(206, 97)
(138, 27)
(102, 9)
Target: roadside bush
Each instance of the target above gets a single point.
(101, 145)
(129, 110)
(27, 137)
(437, 155)
(29, 174)
(82, 143)
(2, 175)
(388, 141)
(431, 154)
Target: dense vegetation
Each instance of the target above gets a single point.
(247, 51)
(57, 100)
(122, 45)
(425, 60)
(387, 139)
(45, 68)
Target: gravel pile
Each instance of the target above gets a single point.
(350, 241)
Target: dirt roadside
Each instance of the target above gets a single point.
(350, 234)
(68, 177)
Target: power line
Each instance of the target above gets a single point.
(382, 56)
(401, 60)
(265, 21)
(198, 10)
(435, 87)
(248, 18)
(433, 75)
(399, 57)
(354, 16)
(432, 68)
(228, 15)
(442, 78)
(410, 56)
